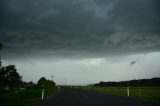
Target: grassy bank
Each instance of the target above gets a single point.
(24, 97)
(149, 93)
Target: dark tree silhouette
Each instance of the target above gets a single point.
(9, 77)
(140, 82)
(43, 82)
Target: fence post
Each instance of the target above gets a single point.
(139, 92)
(127, 91)
(115, 90)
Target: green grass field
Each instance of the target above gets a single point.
(25, 97)
(149, 93)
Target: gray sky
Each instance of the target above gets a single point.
(82, 41)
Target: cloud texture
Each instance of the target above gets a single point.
(79, 27)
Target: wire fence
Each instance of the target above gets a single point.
(151, 93)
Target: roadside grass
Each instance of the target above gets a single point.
(25, 97)
(147, 93)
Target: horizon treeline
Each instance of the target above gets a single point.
(135, 83)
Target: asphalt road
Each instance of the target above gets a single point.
(75, 97)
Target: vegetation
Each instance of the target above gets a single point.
(9, 78)
(149, 93)
(15, 92)
(25, 97)
(29, 94)
(134, 83)
(142, 88)
(43, 82)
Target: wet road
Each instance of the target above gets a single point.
(75, 97)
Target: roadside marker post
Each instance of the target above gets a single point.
(139, 92)
(115, 90)
(42, 94)
(127, 91)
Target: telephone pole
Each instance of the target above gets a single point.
(65, 82)
(52, 77)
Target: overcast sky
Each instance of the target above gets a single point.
(81, 41)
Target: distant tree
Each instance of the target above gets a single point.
(9, 77)
(30, 83)
(43, 82)
(140, 82)
(50, 83)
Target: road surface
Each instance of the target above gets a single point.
(75, 97)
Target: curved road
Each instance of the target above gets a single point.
(75, 97)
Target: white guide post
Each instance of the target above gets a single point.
(139, 92)
(127, 91)
(42, 94)
(115, 90)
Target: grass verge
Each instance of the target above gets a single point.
(147, 93)
(25, 97)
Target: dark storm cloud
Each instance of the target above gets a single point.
(74, 27)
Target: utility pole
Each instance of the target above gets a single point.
(65, 82)
(52, 77)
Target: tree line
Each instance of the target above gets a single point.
(134, 83)
(10, 79)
